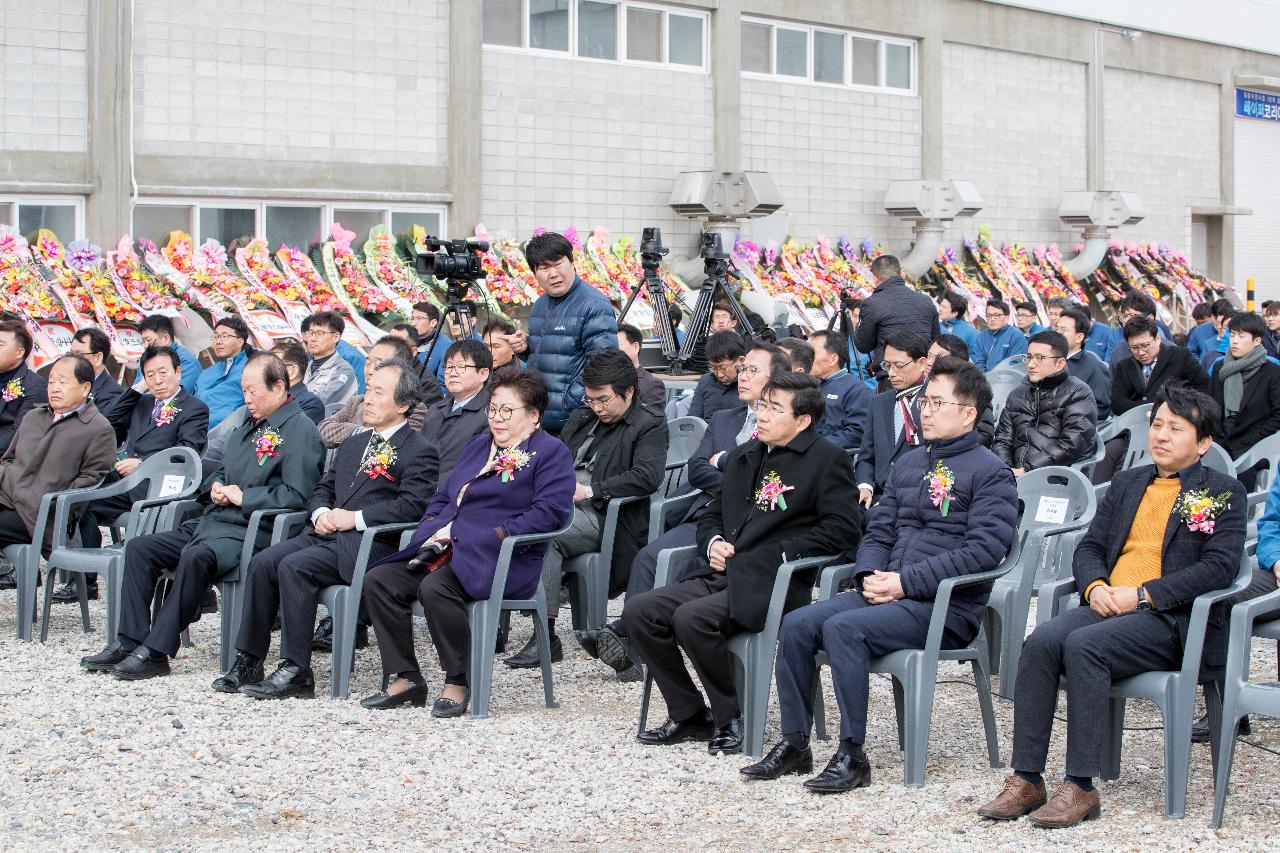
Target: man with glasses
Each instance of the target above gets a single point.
(1052, 418)
(619, 449)
(914, 544)
(1027, 318)
(1134, 304)
(329, 376)
(426, 320)
(451, 423)
(951, 310)
(219, 383)
(337, 428)
(1000, 339)
(894, 419)
(157, 331)
(718, 387)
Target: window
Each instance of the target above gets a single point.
(293, 226)
(156, 221)
(610, 30)
(819, 55)
(226, 224)
(404, 220)
(63, 215)
(359, 221)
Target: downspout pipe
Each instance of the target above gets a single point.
(924, 251)
(1096, 241)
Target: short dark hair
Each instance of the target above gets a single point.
(1059, 302)
(1135, 301)
(725, 346)
(525, 383)
(235, 324)
(1023, 305)
(410, 332)
(20, 333)
(155, 351)
(800, 353)
(610, 368)
(914, 344)
(953, 345)
(1141, 325)
(547, 248)
(833, 341)
(273, 369)
(499, 325)
(1248, 323)
(806, 397)
(723, 305)
(674, 314)
(1056, 343)
(886, 266)
(957, 303)
(1079, 319)
(427, 308)
(1223, 308)
(1201, 312)
(99, 343)
(404, 351)
(631, 333)
(330, 320)
(408, 391)
(1270, 308)
(470, 348)
(779, 359)
(970, 386)
(1189, 404)
(1000, 305)
(82, 367)
(292, 352)
(157, 323)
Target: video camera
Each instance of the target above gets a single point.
(715, 263)
(651, 250)
(452, 260)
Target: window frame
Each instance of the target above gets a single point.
(10, 204)
(881, 87)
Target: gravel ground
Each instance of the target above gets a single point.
(93, 763)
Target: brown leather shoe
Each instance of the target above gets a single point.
(1016, 799)
(1069, 805)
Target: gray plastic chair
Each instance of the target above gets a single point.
(587, 575)
(683, 437)
(140, 520)
(1040, 544)
(333, 409)
(1218, 459)
(1001, 387)
(914, 672)
(1173, 692)
(1135, 422)
(1267, 450)
(1017, 363)
(751, 652)
(1240, 697)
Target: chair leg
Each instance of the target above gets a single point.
(1010, 654)
(82, 594)
(344, 640)
(898, 701)
(27, 583)
(49, 579)
(544, 649)
(1177, 754)
(484, 634)
(819, 707)
(1226, 753)
(991, 626)
(644, 701)
(1113, 740)
(755, 688)
(920, 691)
(112, 580)
(983, 683)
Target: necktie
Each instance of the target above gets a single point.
(1146, 371)
(748, 427)
(903, 422)
(155, 410)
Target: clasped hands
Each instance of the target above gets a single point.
(1113, 600)
(882, 587)
(226, 495)
(335, 521)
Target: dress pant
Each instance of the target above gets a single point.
(1112, 456)
(389, 593)
(692, 615)
(646, 564)
(13, 530)
(582, 537)
(144, 559)
(287, 577)
(1090, 651)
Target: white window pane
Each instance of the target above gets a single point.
(58, 218)
(755, 47)
(402, 221)
(897, 66)
(298, 227)
(828, 57)
(684, 41)
(866, 62)
(597, 29)
(359, 221)
(549, 24)
(644, 35)
(156, 221)
(502, 22)
(225, 224)
(793, 53)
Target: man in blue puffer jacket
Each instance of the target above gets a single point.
(920, 534)
(566, 323)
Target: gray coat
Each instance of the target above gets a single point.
(448, 433)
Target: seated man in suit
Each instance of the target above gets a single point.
(157, 330)
(272, 461)
(728, 429)
(337, 428)
(21, 388)
(93, 343)
(329, 376)
(1145, 558)
(376, 478)
(916, 539)
(783, 497)
(295, 361)
(1246, 384)
(718, 387)
(848, 400)
(893, 419)
(164, 417)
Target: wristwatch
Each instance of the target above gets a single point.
(591, 493)
(1143, 603)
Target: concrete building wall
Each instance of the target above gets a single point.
(44, 93)
(574, 142)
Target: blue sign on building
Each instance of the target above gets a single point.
(1250, 104)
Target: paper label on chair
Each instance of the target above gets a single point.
(171, 485)
(1052, 510)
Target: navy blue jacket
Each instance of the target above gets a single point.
(907, 534)
(562, 332)
(848, 401)
(312, 406)
(105, 391)
(893, 307)
(1199, 339)
(710, 396)
(1091, 370)
(30, 390)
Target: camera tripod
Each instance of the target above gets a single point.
(459, 309)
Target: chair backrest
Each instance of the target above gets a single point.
(169, 471)
(1267, 450)
(683, 436)
(1050, 498)
(1217, 459)
(1135, 422)
(1001, 388)
(1016, 363)
(333, 409)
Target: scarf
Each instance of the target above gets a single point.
(1234, 372)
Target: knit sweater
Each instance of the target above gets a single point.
(1140, 558)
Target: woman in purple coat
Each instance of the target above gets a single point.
(513, 480)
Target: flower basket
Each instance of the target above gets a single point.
(297, 266)
(383, 265)
(345, 275)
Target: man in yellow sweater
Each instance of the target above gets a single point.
(1164, 534)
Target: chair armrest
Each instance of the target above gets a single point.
(174, 513)
(1200, 616)
(610, 525)
(665, 558)
(659, 508)
(942, 600)
(782, 580)
(1240, 634)
(508, 548)
(288, 525)
(62, 503)
(251, 533)
(832, 577)
(1049, 595)
(367, 536)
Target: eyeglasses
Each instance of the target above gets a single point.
(773, 409)
(997, 316)
(935, 404)
(751, 370)
(1039, 358)
(895, 365)
(223, 336)
(724, 367)
(598, 402)
(504, 413)
(1141, 347)
(458, 368)
(318, 333)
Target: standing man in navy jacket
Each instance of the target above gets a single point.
(917, 538)
(848, 400)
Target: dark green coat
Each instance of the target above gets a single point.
(284, 481)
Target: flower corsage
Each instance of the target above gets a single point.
(1199, 510)
(770, 494)
(941, 482)
(165, 416)
(267, 444)
(509, 461)
(379, 456)
(12, 391)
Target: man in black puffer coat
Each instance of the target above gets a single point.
(892, 307)
(1052, 419)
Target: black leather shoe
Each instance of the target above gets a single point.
(9, 580)
(446, 708)
(587, 639)
(671, 732)
(727, 738)
(1200, 729)
(614, 650)
(843, 772)
(415, 695)
(362, 637)
(140, 665)
(245, 669)
(322, 639)
(783, 759)
(104, 660)
(527, 658)
(67, 594)
(286, 682)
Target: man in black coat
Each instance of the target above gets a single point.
(451, 423)
(653, 393)
(21, 388)
(1139, 568)
(1074, 324)
(619, 448)
(891, 307)
(718, 387)
(273, 461)
(1246, 383)
(893, 422)
(377, 478)
(93, 343)
(783, 497)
